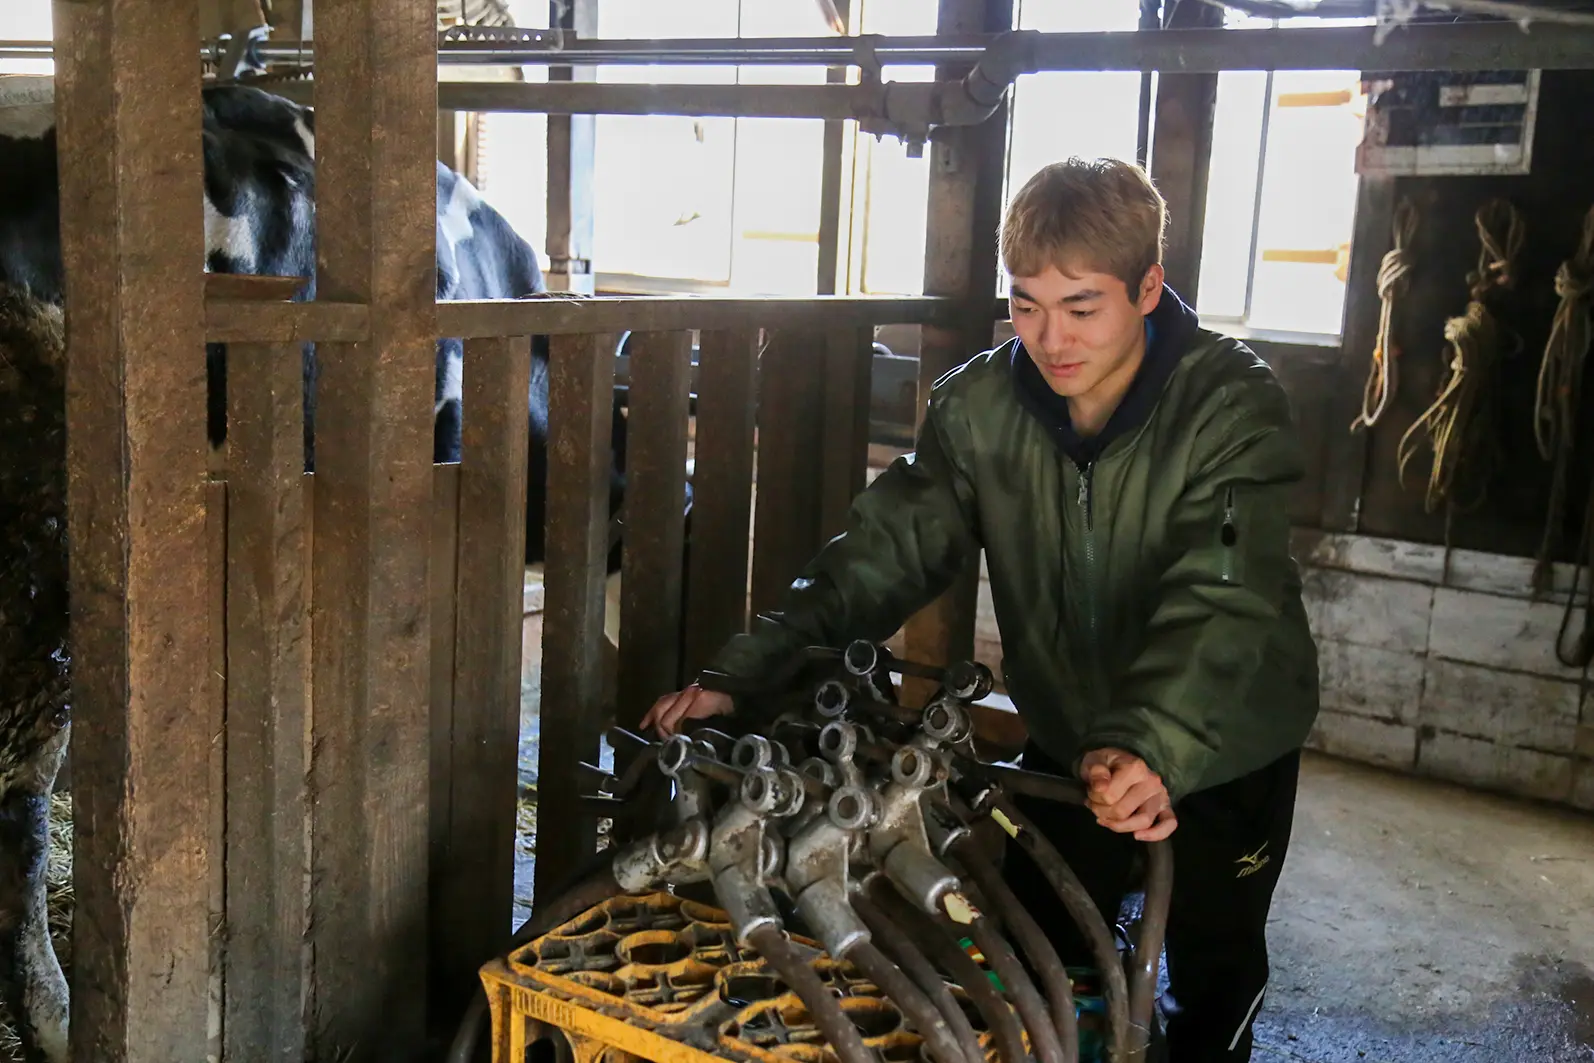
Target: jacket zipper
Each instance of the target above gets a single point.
(1090, 554)
(1228, 535)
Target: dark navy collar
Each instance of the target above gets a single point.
(1169, 331)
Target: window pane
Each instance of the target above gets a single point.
(1231, 194)
(662, 190)
(26, 21)
(513, 165)
(778, 175)
(892, 190)
(1310, 160)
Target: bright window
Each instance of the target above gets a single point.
(26, 21)
(1281, 140)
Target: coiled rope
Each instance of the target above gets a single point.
(1460, 425)
(1561, 387)
(1555, 427)
(1393, 279)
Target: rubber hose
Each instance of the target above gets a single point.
(1148, 949)
(900, 990)
(896, 943)
(943, 948)
(1086, 915)
(1032, 939)
(1031, 1008)
(595, 887)
(825, 1010)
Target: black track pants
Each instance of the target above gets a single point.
(1228, 851)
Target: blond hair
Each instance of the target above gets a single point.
(1100, 214)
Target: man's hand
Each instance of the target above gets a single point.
(693, 703)
(1127, 796)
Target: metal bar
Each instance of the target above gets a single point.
(522, 317)
(1448, 46)
(834, 102)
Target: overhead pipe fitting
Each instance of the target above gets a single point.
(862, 814)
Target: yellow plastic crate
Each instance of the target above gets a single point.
(655, 977)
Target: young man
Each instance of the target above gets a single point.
(1127, 474)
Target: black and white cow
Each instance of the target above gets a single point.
(259, 218)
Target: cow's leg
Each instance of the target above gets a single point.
(30, 975)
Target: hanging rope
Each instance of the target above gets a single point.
(1560, 389)
(1393, 279)
(1459, 426)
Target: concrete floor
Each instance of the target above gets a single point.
(1417, 921)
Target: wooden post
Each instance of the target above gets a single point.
(376, 118)
(722, 493)
(967, 166)
(267, 689)
(580, 405)
(1181, 155)
(832, 169)
(650, 579)
(476, 899)
(844, 445)
(128, 129)
(791, 396)
(572, 142)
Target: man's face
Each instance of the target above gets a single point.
(1082, 329)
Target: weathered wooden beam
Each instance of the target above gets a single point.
(443, 577)
(844, 442)
(267, 687)
(241, 321)
(530, 317)
(722, 498)
(833, 156)
(132, 248)
(655, 496)
(966, 174)
(580, 411)
(791, 391)
(476, 899)
(572, 158)
(1181, 155)
(371, 643)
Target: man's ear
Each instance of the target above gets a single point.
(1151, 289)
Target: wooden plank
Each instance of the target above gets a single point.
(267, 703)
(445, 602)
(655, 494)
(376, 235)
(786, 510)
(216, 727)
(722, 493)
(844, 445)
(478, 881)
(580, 412)
(239, 320)
(128, 133)
(555, 315)
(965, 199)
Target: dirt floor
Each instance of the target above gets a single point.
(1417, 921)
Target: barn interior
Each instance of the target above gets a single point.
(742, 241)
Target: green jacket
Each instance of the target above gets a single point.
(1147, 600)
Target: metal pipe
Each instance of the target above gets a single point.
(897, 944)
(900, 990)
(1079, 904)
(1030, 937)
(1148, 949)
(1026, 998)
(943, 949)
(1467, 46)
(843, 1037)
